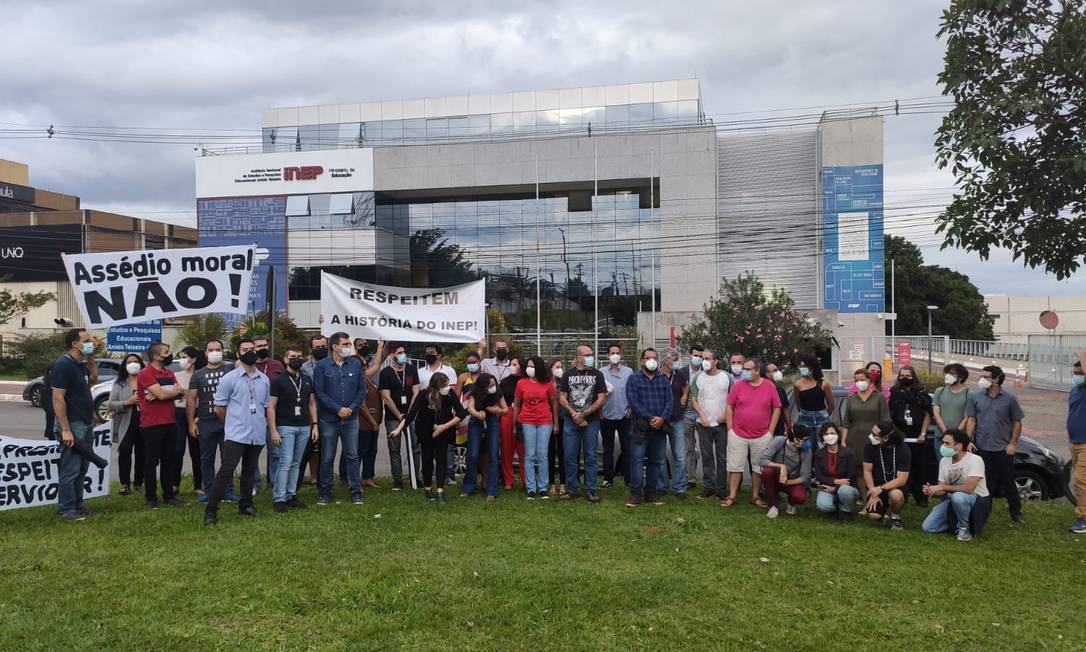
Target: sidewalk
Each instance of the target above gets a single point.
(12, 390)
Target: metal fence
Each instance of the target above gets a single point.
(1050, 359)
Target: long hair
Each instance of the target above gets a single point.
(814, 365)
(542, 371)
(433, 396)
(199, 360)
(917, 386)
(878, 383)
(123, 375)
(479, 387)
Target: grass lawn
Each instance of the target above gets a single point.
(542, 575)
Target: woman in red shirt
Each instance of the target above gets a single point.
(535, 408)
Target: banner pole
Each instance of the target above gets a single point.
(595, 250)
(411, 458)
(538, 271)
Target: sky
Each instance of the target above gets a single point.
(204, 65)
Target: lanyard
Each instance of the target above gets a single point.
(297, 388)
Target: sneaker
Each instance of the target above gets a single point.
(656, 500)
(531, 495)
(397, 485)
(231, 496)
(174, 502)
(607, 484)
(773, 511)
(1078, 527)
(490, 499)
(202, 499)
(73, 517)
(125, 490)
(151, 504)
(429, 494)
(450, 481)
(680, 496)
(593, 497)
(210, 518)
(543, 495)
(247, 511)
(1019, 519)
(294, 503)
(280, 508)
(441, 498)
(964, 535)
(356, 499)
(568, 496)
(790, 510)
(895, 522)
(634, 500)
(707, 493)
(323, 500)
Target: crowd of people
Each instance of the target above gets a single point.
(666, 417)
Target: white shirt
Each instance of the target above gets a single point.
(713, 395)
(425, 373)
(970, 466)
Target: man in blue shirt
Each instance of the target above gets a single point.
(615, 416)
(71, 378)
(650, 400)
(1076, 430)
(241, 403)
(340, 384)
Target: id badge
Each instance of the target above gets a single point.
(297, 410)
(252, 408)
(403, 400)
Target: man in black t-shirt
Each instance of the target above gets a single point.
(71, 378)
(399, 384)
(292, 421)
(200, 410)
(886, 473)
(582, 393)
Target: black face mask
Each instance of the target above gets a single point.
(261, 353)
(320, 353)
(249, 358)
(501, 354)
(905, 382)
(167, 360)
(296, 364)
(364, 350)
(431, 358)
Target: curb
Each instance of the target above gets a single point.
(11, 397)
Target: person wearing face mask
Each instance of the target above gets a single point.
(874, 377)
(535, 410)
(435, 414)
(369, 425)
(735, 364)
(200, 415)
(556, 447)
(670, 368)
(1076, 432)
(499, 366)
(157, 388)
(948, 405)
(710, 400)
(124, 403)
(813, 393)
(994, 422)
(189, 361)
(688, 376)
(910, 410)
(486, 405)
(754, 407)
(340, 385)
(649, 396)
(616, 417)
(786, 467)
(435, 364)
(835, 467)
(265, 361)
(965, 504)
(71, 378)
(581, 392)
(512, 437)
(399, 386)
(784, 424)
(471, 364)
(886, 474)
(241, 403)
(863, 409)
(318, 350)
(292, 420)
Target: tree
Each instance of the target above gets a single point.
(287, 333)
(438, 261)
(755, 321)
(12, 305)
(962, 313)
(1014, 139)
(198, 330)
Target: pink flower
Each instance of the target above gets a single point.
(739, 338)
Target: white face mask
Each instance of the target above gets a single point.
(559, 372)
(861, 385)
(615, 358)
(346, 351)
(651, 364)
(950, 379)
(778, 376)
(530, 371)
(706, 365)
(737, 369)
(132, 368)
(874, 440)
(215, 357)
(184, 363)
(829, 438)
(444, 391)
(493, 389)
(984, 383)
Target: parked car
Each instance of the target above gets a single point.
(108, 368)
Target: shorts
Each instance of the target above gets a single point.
(740, 448)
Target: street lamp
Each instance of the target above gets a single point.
(930, 309)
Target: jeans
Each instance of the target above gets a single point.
(610, 428)
(714, 457)
(677, 437)
(367, 450)
(291, 448)
(332, 432)
(394, 445)
(211, 441)
(478, 432)
(232, 453)
(841, 500)
(962, 504)
(999, 476)
(536, 438)
(813, 419)
(157, 446)
(645, 442)
(72, 468)
(693, 453)
(580, 439)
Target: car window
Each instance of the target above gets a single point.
(108, 367)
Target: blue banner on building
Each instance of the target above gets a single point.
(248, 220)
(133, 338)
(852, 254)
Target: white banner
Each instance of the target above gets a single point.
(452, 314)
(29, 470)
(285, 173)
(129, 287)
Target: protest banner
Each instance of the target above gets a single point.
(450, 314)
(131, 338)
(127, 287)
(29, 470)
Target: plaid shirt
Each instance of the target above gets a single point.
(649, 397)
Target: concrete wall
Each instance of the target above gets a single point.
(1019, 316)
(14, 172)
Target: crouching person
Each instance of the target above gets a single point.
(786, 467)
(835, 474)
(965, 503)
(886, 474)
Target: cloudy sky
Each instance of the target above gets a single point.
(203, 65)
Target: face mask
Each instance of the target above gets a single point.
(874, 440)
(296, 363)
(905, 382)
(167, 360)
(778, 376)
(615, 358)
(695, 362)
(530, 371)
(746, 375)
(472, 367)
(87, 348)
(706, 365)
(651, 364)
(444, 391)
(185, 363)
(804, 371)
(737, 369)
(501, 354)
(364, 350)
(1078, 380)
(132, 368)
(590, 361)
(261, 353)
(249, 358)
(215, 357)
(320, 353)
(875, 375)
(401, 358)
(861, 385)
(493, 389)
(946, 451)
(431, 358)
(984, 383)
(829, 439)
(559, 372)
(950, 379)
